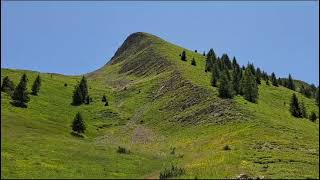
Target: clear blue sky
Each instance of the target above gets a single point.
(79, 37)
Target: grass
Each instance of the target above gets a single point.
(264, 139)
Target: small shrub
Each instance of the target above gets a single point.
(193, 62)
(65, 84)
(122, 150)
(195, 51)
(313, 117)
(104, 98)
(174, 171)
(106, 104)
(173, 151)
(226, 148)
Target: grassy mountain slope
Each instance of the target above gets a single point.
(157, 102)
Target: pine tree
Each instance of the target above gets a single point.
(313, 116)
(84, 88)
(226, 61)
(236, 79)
(204, 53)
(183, 56)
(303, 110)
(20, 95)
(7, 85)
(225, 87)
(235, 63)
(78, 124)
(249, 86)
(36, 86)
(251, 67)
(193, 62)
(77, 97)
(295, 107)
(258, 76)
(290, 83)
(210, 60)
(214, 76)
(274, 79)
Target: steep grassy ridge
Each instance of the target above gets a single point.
(157, 102)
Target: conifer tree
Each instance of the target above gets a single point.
(193, 62)
(267, 82)
(235, 63)
(290, 83)
(77, 98)
(226, 61)
(20, 95)
(236, 79)
(225, 87)
(84, 88)
(274, 79)
(7, 85)
(36, 86)
(204, 53)
(258, 76)
(249, 86)
(215, 76)
(78, 124)
(210, 60)
(183, 56)
(295, 107)
(303, 110)
(251, 67)
(279, 82)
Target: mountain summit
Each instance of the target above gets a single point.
(151, 113)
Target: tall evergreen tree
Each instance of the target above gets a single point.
(77, 98)
(249, 86)
(184, 56)
(210, 60)
(226, 61)
(36, 86)
(236, 79)
(193, 62)
(225, 86)
(78, 124)
(20, 95)
(258, 75)
(290, 83)
(274, 79)
(295, 107)
(204, 53)
(215, 76)
(84, 88)
(251, 67)
(7, 85)
(303, 110)
(235, 63)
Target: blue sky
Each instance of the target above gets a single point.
(79, 37)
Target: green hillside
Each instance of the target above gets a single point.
(156, 103)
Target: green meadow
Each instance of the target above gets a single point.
(157, 103)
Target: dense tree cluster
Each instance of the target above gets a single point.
(80, 93)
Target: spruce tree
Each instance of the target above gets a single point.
(210, 60)
(295, 107)
(204, 53)
(225, 87)
(274, 79)
(214, 76)
(20, 95)
(249, 86)
(226, 61)
(251, 67)
(236, 79)
(303, 110)
(258, 76)
(193, 62)
(290, 83)
(77, 98)
(36, 86)
(7, 85)
(78, 124)
(84, 88)
(183, 56)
